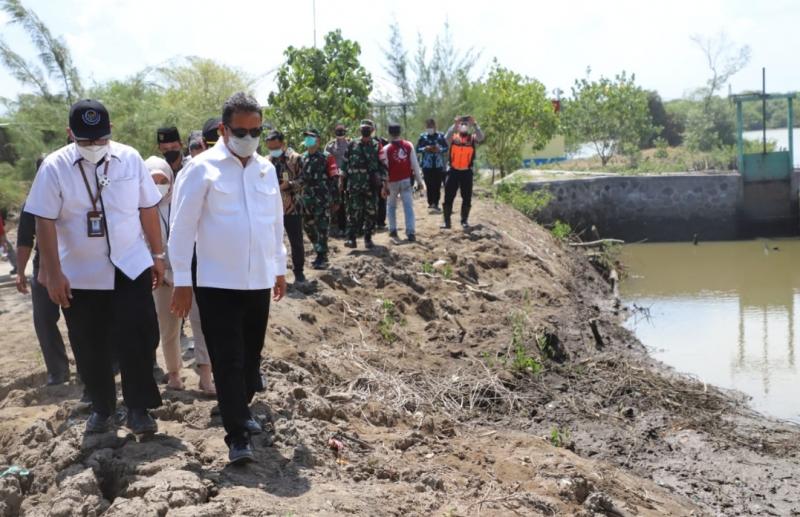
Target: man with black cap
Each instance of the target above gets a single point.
(318, 172)
(95, 208)
(196, 143)
(171, 147)
(229, 203)
(400, 160)
(363, 175)
(287, 167)
(211, 131)
(338, 148)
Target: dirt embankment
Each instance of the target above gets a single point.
(473, 373)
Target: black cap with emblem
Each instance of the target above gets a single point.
(165, 135)
(88, 120)
(210, 130)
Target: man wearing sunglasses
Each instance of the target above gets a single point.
(95, 204)
(228, 202)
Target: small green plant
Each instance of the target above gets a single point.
(560, 437)
(661, 148)
(447, 271)
(561, 230)
(522, 361)
(513, 192)
(427, 268)
(388, 321)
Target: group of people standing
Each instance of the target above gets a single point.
(130, 248)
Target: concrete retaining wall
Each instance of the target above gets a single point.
(671, 207)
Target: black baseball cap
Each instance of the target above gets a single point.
(166, 135)
(394, 128)
(311, 132)
(274, 134)
(88, 120)
(210, 130)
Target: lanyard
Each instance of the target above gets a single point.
(92, 197)
(166, 221)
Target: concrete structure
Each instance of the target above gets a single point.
(674, 207)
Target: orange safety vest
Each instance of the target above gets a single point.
(462, 153)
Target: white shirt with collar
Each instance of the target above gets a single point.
(235, 216)
(59, 193)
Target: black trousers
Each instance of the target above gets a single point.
(458, 180)
(45, 321)
(380, 211)
(234, 324)
(433, 184)
(293, 225)
(121, 322)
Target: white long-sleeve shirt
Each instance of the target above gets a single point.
(59, 193)
(235, 216)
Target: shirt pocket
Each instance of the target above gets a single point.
(269, 202)
(224, 198)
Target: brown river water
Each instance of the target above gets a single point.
(723, 312)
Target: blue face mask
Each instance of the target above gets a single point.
(309, 141)
(276, 153)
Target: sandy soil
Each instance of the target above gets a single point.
(399, 385)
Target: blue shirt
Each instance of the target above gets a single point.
(429, 160)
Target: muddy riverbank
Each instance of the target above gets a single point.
(483, 372)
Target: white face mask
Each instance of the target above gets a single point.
(163, 188)
(431, 130)
(243, 147)
(92, 153)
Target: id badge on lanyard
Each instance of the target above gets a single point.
(95, 219)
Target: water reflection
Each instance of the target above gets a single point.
(724, 312)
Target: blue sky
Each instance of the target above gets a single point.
(551, 41)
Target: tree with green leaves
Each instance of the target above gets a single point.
(611, 114)
(55, 57)
(318, 87)
(710, 124)
(514, 111)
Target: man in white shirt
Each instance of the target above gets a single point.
(227, 201)
(94, 204)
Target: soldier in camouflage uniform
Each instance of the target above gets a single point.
(364, 173)
(317, 172)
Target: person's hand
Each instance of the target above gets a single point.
(472, 120)
(284, 185)
(157, 271)
(436, 149)
(457, 120)
(385, 191)
(42, 278)
(181, 301)
(279, 291)
(22, 283)
(59, 290)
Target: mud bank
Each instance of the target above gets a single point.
(473, 373)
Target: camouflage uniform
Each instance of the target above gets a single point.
(316, 198)
(361, 164)
(338, 148)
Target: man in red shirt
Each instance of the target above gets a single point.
(400, 159)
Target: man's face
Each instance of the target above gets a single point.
(84, 143)
(241, 120)
(431, 125)
(274, 145)
(169, 146)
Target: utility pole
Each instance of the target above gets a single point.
(314, 17)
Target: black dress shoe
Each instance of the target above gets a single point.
(320, 262)
(85, 397)
(240, 452)
(464, 224)
(299, 278)
(140, 422)
(253, 427)
(97, 423)
(393, 234)
(412, 238)
(445, 225)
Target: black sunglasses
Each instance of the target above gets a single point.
(240, 132)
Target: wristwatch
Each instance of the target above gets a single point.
(161, 256)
